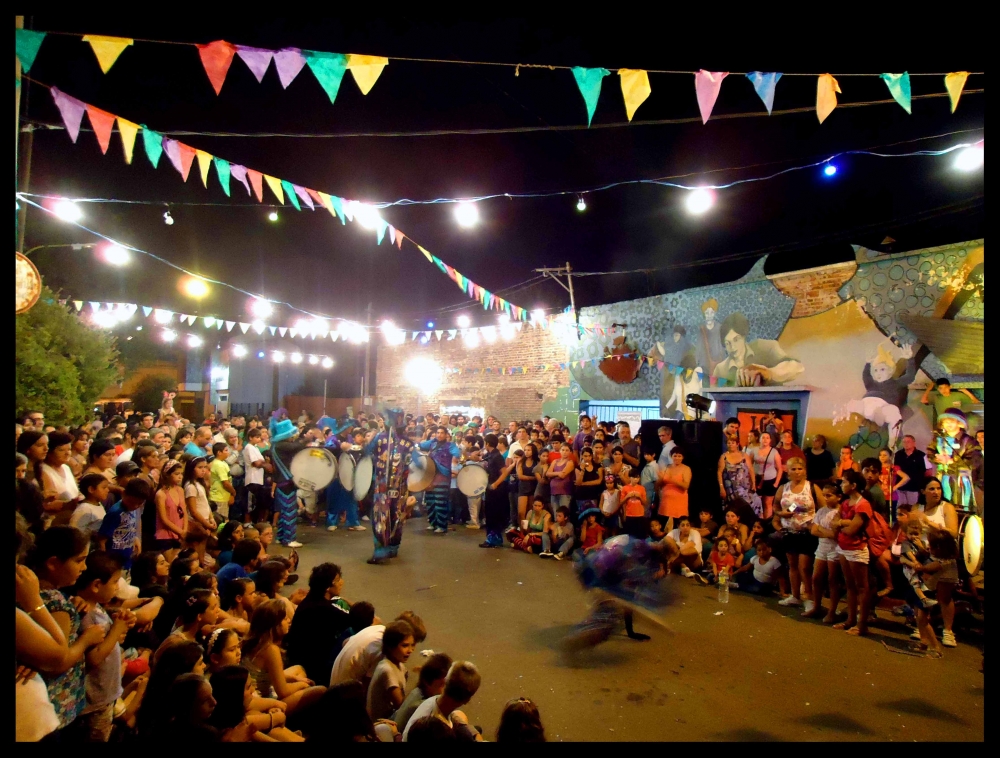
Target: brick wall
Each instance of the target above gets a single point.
(505, 396)
(814, 291)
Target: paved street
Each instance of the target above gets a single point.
(756, 672)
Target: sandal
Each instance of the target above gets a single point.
(855, 631)
(844, 625)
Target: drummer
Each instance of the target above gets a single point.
(441, 451)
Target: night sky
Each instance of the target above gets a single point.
(312, 261)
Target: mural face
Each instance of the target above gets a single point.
(886, 381)
(752, 363)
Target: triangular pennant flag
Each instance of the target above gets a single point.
(304, 196)
(78, 304)
(256, 58)
(244, 327)
(589, 81)
(392, 234)
(635, 89)
(413, 336)
(181, 156)
(204, 164)
(272, 329)
(366, 70)
(328, 68)
(222, 169)
(218, 324)
(71, 111)
(282, 330)
(239, 173)
(107, 49)
(380, 232)
(230, 325)
(337, 203)
(334, 335)
(146, 310)
(128, 130)
(102, 122)
(289, 191)
(452, 333)
(706, 87)
(826, 96)
(153, 142)
(427, 335)
(899, 88)
(256, 180)
(764, 83)
(427, 255)
(95, 306)
(217, 57)
(955, 83)
(399, 239)
(288, 62)
(293, 332)
(314, 197)
(209, 321)
(275, 185)
(26, 44)
(438, 333)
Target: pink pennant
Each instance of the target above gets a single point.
(216, 57)
(180, 155)
(71, 111)
(256, 58)
(239, 173)
(304, 196)
(706, 87)
(289, 63)
(316, 197)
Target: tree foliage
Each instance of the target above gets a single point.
(61, 364)
(148, 392)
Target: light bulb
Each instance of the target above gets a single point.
(971, 158)
(296, 357)
(700, 200)
(260, 308)
(327, 363)
(277, 356)
(313, 360)
(466, 214)
(195, 287)
(194, 340)
(581, 204)
(463, 322)
(168, 219)
(272, 216)
(169, 335)
(116, 255)
(829, 170)
(239, 351)
(67, 210)
(365, 215)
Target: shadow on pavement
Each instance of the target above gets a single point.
(916, 706)
(836, 721)
(746, 735)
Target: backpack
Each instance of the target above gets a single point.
(879, 534)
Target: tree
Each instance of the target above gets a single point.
(148, 392)
(61, 364)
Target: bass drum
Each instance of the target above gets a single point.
(346, 471)
(422, 470)
(313, 468)
(363, 472)
(473, 479)
(971, 544)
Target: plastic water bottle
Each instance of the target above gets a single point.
(724, 586)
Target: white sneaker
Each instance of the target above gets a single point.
(546, 555)
(471, 526)
(810, 606)
(332, 528)
(948, 639)
(686, 572)
(357, 528)
(365, 518)
(430, 529)
(915, 635)
(293, 544)
(558, 556)
(791, 600)
(440, 531)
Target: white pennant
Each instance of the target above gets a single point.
(230, 325)
(427, 334)
(518, 325)
(282, 330)
(244, 327)
(438, 334)
(209, 321)
(272, 329)
(110, 306)
(146, 310)
(334, 335)
(78, 304)
(95, 306)
(218, 323)
(414, 336)
(259, 328)
(452, 333)
(292, 332)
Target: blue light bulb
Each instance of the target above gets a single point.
(430, 324)
(829, 170)
(260, 354)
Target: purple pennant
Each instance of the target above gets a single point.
(304, 196)
(239, 173)
(289, 61)
(71, 110)
(173, 151)
(256, 58)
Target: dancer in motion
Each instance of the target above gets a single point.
(284, 446)
(391, 451)
(436, 499)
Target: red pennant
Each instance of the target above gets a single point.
(102, 121)
(216, 58)
(257, 180)
(187, 154)
(315, 196)
(399, 239)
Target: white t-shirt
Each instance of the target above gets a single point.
(254, 475)
(765, 573)
(359, 656)
(824, 519)
(693, 537)
(62, 481)
(201, 506)
(87, 517)
(665, 458)
(387, 676)
(427, 708)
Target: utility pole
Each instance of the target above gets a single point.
(555, 274)
(365, 388)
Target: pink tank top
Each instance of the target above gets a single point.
(175, 514)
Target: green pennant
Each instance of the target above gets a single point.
(153, 142)
(290, 194)
(338, 208)
(222, 169)
(589, 81)
(328, 68)
(26, 44)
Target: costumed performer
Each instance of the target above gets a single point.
(339, 500)
(284, 446)
(957, 455)
(391, 451)
(497, 502)
(437, 496)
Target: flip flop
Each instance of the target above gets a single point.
(843, 625)
(856, 632)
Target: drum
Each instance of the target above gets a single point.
(346, 470)
(363, 472)
(971, 543)
(313, 468)
(422, 470)
(473, 479)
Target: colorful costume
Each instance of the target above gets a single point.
(391, 451)
(286, 503)
(437, 495)
(956, 458)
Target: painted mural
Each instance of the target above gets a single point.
(839, 333)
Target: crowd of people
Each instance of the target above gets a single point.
(149, 583)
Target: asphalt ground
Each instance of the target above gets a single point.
(749, 670)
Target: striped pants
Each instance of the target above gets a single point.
(286, 503)
(438, 503)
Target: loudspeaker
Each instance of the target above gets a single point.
(701, 442)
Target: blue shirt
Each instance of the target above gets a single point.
(192, 449)
(227, 573)
(121, 530)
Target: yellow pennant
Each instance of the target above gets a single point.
(366, 70)
(325, 200)
(426, 254)
(635, 89)
(204, 163)
(107, 49)
(128, 130)
(955, 83)
(275, 185)
(826, 96)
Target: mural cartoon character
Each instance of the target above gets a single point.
(709, 348)
(886, 386)
(752, 363)
(676, 354)
(956, 454)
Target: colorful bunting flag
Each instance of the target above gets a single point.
(257, 60)
(282, 330)
(107, 49)
(244, 327)
(337, 204)
(204, 164)
(217, 57)
(275, 185)
(71, 111)
(366, 70)
(222, 170)
(146, 310)
(273, 330)
(635, 89)
(240, 174)
(304, 196)
(289, 63)
(181, 156)
(899, 88)
(328, 68)
(153, 142)
(288, 191)
(764, 83)
(102, 123)
(128, 131)
(230, 325)
(826, 96)
(26, 44)
(706, 87)
(257, 182)
(588, 80)
(955, 83)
